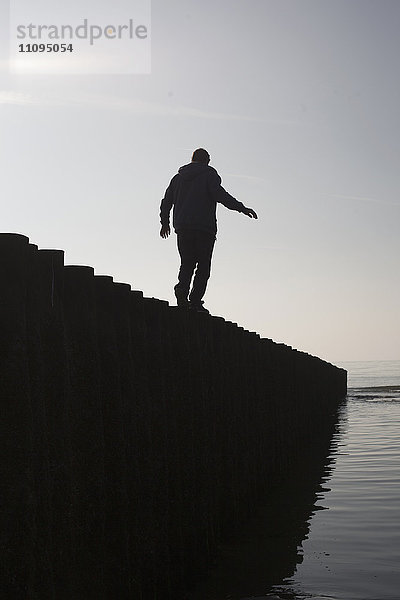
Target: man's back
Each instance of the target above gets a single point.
(194, 192)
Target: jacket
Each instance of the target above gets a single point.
(194, 192)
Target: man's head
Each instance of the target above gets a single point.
(201, 155)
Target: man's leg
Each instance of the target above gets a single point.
(187, 251)
(204, 249)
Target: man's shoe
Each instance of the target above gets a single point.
(198, 307)
(181, 298)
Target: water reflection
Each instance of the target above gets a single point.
(261, 562)
(353, 552)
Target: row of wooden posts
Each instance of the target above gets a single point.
(134, 435)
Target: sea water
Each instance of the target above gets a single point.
(353, 547)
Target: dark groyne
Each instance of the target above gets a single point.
(134, 436)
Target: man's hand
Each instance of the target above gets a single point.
(250, 213)
(165, 231)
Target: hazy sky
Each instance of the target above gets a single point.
(297, 102)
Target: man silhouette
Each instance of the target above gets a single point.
(194, 192)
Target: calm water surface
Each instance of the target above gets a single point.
(352, 548)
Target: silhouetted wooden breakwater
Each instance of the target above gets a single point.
(134, 436)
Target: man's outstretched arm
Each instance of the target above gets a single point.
(220, 195)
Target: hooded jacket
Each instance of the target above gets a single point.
(194, 192)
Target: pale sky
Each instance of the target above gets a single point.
(297, 102)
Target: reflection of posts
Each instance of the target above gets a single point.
(194, 193)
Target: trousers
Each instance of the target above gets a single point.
(195, 249)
